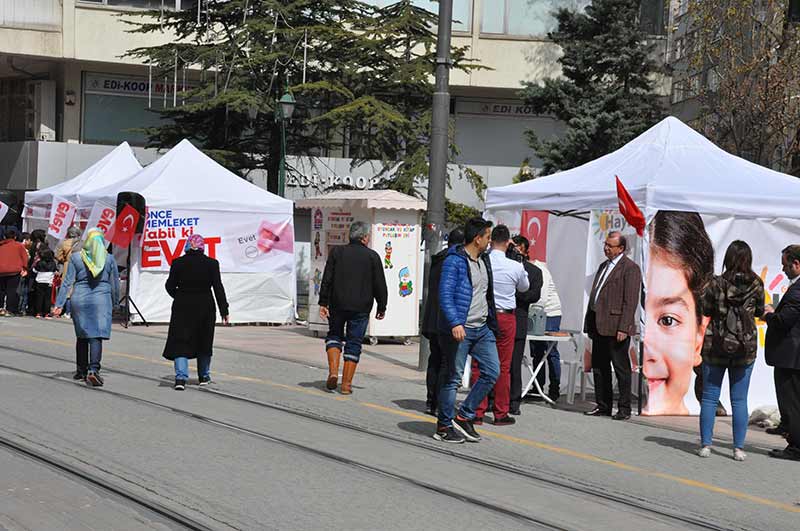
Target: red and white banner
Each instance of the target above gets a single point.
(61, 215)
(242, 243)
(102, 217)
(534, 227)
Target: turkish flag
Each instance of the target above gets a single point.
(534, 227)
(125, 226)
(629, 210)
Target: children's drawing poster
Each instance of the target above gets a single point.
(396, 238)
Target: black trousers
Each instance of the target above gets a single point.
(41, 299)
(787, 388)
(608, 352)
(8, 293)
(437, 372)
(516, 374)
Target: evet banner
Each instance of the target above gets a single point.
(61, 214)
(243, 243)
(102, 217)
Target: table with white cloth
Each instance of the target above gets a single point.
(527, 362)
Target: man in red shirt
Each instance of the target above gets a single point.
(13, 264)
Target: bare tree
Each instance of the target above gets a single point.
(744, 64)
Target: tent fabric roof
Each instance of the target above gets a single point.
(116, 166)
(185, 177)
(668, 167)
(383, 199)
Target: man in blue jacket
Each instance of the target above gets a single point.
(467, 326)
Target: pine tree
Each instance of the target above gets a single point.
(368, 82)
(606, 95)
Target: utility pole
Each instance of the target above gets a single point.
(437, 178)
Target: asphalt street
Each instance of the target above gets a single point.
(265, 447)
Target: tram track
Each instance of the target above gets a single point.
(639, 505)
(88, 478)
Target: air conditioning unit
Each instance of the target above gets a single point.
(40, 111)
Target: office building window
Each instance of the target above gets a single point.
(526, 18)
(142, 4)
(462, 10)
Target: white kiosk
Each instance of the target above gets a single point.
(396, 236)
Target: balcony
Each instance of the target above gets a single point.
(43, 15)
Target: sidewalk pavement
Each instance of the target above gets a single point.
(397, 361)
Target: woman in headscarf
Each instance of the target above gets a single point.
(93, 279)
(191, 325)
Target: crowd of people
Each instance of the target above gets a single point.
(481, 288)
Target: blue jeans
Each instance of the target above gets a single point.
(538, 348)
(739, 384)
(90, 349)
(182, 367)
(355, 324)
(480, 343)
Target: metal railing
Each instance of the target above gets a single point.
(31, 14)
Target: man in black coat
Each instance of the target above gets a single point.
(353, 278)
(437, 371)
(524, 300)
(782, 351)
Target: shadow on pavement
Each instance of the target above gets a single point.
(318, 384)
(410, 404)
(692, 447)
(425, 429)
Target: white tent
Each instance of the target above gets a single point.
(669, 167)
(249, 230)
(118, 165)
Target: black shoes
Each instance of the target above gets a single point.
(554, 394)
(515, 411)
(466, 428)
(505, 421)
(448, 435)
(621, 416)
(777, 430)
(205, 380)
(79, 375)
(789, 453)
(180, 385)
(94, 379)
(597, 412)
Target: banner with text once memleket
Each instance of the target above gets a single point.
(242, 242)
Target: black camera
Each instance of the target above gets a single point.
(513, 253)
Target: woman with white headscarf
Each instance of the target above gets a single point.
(191, 325)
(93, 278)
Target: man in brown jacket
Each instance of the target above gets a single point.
(610, 322)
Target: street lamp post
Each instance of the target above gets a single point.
(285, 109)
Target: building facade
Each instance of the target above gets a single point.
(68, 93)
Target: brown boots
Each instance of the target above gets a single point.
(347, 377)
(334, 354)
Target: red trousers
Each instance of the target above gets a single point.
(506, 330)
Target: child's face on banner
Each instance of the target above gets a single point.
(673, 337)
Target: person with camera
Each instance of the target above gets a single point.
(509, 277)
(519, 252)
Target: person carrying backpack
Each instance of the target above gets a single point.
(733, 301)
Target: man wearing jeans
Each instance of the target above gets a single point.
(353, 278)
(467, 325)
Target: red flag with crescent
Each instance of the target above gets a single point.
(629, 210)
(125, 226)
(534, 227)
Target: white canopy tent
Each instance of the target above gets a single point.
(187, 192)
(118, 165)
(670, 167)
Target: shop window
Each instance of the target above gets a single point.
(462, 10)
